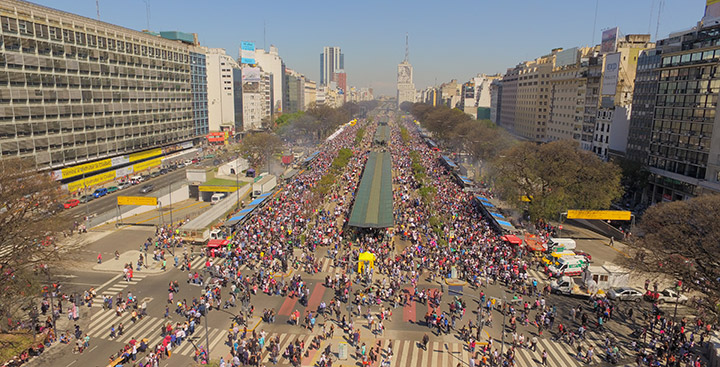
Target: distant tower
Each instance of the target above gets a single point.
(405, 86)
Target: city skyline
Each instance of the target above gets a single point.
(445, 43)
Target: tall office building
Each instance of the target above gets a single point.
(221, 95)
(405, 87)
(270, 62)
(332, 61)
(76, 90)
(684, 145)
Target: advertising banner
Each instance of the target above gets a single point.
(83, 168)
(599, 214)
(91, 181)
(610, 74)
(712, 10)
(137, 200)
(566, 57)
(250, 75)
(145, 154)
(609, 40)
(120, 172)
(147, 164)
(217, 188)
(247, 53)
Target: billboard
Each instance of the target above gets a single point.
(250, 75)
(247, 52)
(610, 74)
(599, 214)
(712, 10)
(206, 188)
(609, 40)
(137, 200)
(567, 57)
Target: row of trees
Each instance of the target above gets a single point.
(29, 230)
(676, 238)
(545, 178)
(303, 127)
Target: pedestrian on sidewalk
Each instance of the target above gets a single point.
(99, 258)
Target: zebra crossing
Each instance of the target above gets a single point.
(326, 266)
(150, 328)
(118, 285)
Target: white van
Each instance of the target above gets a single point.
(568, 266)
(216, 198)
(136, 179)
(561, 244)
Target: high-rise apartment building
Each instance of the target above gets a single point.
(567, 95)
(199, 86)
(684, 146)
(495, 100)
(643, 105)
(75, 90)
(270, 62)
(221, 95)
(405, 85)
(530, 82)
(294, 98)
(618, 81)
(332, 61)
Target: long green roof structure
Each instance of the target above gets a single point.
(382, 134)
(373, 206)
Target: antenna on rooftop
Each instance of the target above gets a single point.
(147, 12)
(657, 27)
(407, 47)
(264, 34)
(97, 7)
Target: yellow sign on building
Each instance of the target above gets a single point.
(137, 200)
(145, 154)
(85, 168)
(599, 214)
(147, 164)
(218, 188)
(91, 181)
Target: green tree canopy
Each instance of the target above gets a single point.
(29, 229)
(556, 177)
(680, 238)
(258, 147)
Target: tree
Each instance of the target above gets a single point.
(258, 147)
(556, 177)
(29, 229)
(680, 238)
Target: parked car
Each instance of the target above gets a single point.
(164, 171)
(625, 294)
(147, 188)
(100, 192)
(123, 185)
(112, 189)
(583, 253)
(181, 165)
(195, 160)
(155, 174)
(71, 203)
(670, 296)
(86, 198)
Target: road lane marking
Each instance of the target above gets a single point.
(108, 282)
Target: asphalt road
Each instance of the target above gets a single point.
(108, 202)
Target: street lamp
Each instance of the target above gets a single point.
(237, 183)
(502, 348)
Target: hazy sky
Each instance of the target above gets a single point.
(448, 39)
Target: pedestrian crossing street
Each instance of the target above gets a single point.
(118, 286)
(406, 353)
(150, 328)
(326, 266)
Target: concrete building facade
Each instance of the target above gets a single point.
(75, 90)
(405, 85)
(221, 96)
(270, 62)
(332, 61)
(684, 147)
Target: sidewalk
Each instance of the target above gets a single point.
(131, 257)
